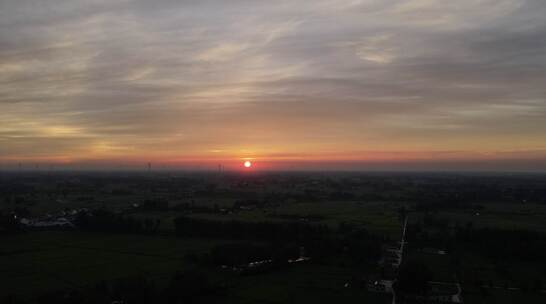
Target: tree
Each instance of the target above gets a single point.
(413, 278)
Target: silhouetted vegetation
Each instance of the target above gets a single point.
(318, 233)
(9, 223)
(413, 278)
(106, 221)
(269, 231)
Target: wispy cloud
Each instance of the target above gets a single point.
(175, 79)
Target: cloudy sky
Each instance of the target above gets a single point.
(339, 84)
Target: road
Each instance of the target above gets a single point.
(402, 243)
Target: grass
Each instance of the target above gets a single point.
(501, 273)
(499, 296)
(380, 218)
(376, 217)
(44, 261)
(38, 262)
(498, 215)
(302, 284)
(440, 265)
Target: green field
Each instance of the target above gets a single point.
(379, 218)
(497, 215)
(499, 296)
(303, 284)
(42, 261)
(441, 267)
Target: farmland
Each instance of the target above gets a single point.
(193, 236)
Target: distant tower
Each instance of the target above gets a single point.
(20, 166)
(149, 167)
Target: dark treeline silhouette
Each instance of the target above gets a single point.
(284, 239)
(9, 223)
(154, 205)
(106, 221)
(270, 231)
(244, 252)
(524, 245)
(412, 279)
(499, 247)
(453, 190)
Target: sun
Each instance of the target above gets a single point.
(247, 164)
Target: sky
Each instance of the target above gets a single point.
(321, 84)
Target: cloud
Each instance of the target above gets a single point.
(180, 78)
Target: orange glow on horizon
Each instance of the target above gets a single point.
(284, 161)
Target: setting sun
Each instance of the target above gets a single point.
(247, 164)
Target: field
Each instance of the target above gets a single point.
(499, 215)
(440, 265)
(499, 296)
(303, 284)
(380, 218)
(43, 261)
(445, 213)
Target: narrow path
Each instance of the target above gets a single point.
(402, 243)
